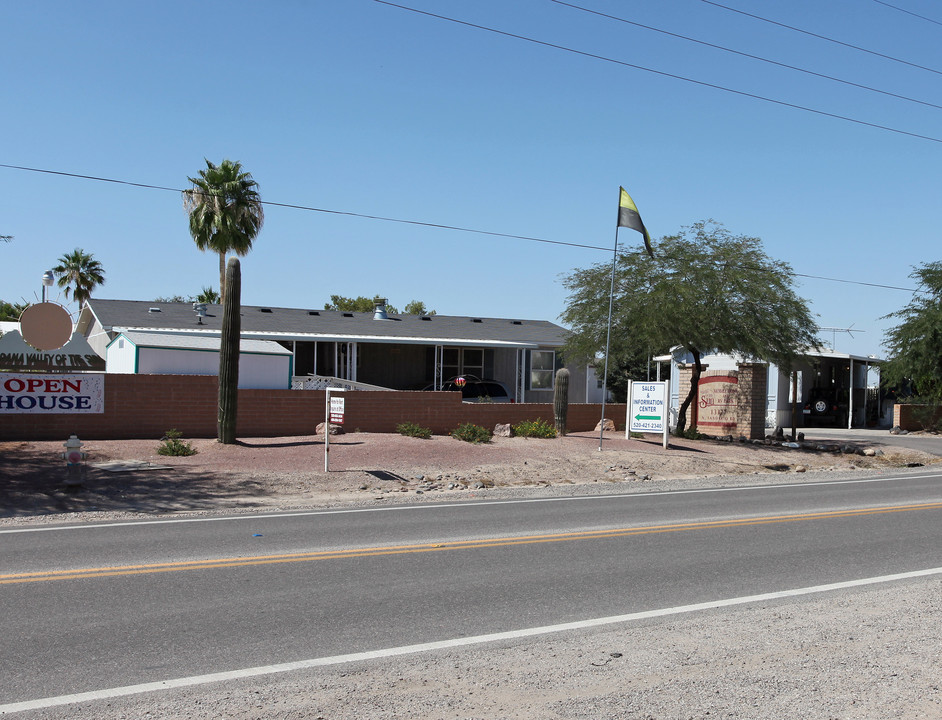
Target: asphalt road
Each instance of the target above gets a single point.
(928, 443)
(92, 607)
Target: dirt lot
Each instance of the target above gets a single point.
(128, 476)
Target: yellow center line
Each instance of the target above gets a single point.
(231, 562)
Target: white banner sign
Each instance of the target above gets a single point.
(42, 393)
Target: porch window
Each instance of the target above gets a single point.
(451, 363)
(542, 368)
(473, 362)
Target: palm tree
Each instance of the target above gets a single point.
(208, 295)
(79, 273)
(225, 212)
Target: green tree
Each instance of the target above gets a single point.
(79, 273)
(706, 290)
(10, 312)
(914, 344)
(208, 295)
(365, 304)
(357, 304)
(226, 212)
(417, 307)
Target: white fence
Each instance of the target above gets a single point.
(322, 382)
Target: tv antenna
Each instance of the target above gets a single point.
(834, 330)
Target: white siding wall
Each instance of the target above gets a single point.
(120, 357)
(255, 371)
(264, 371)
(173, 361)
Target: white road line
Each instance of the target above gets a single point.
(42, 703)
(436, 505)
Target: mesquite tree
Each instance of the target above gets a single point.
(229, 355)
(561, 401)
(707, 290)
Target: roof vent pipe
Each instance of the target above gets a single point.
(379, 312)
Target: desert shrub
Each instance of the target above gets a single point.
(534, 428)
(412, 430)
(173, 445)
(690, 434)
(469, 432)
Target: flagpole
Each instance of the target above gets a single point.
(608, 337)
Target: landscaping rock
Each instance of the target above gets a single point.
(503, 430)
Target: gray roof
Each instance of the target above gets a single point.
(176, 341)
(276, 323)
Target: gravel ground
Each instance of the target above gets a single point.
(871, 652)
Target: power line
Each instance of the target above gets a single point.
(824, 37)
(748, 55)
(316, 209)
(439, 226)
(908, 12)
(661, 72)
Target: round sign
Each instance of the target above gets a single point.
(460, 382)
(46, 326)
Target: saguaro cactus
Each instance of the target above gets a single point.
(561, 401)
(229, 355)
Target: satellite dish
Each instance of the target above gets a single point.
(679, 353)
(46, 326)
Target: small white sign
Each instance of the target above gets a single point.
(336, 410)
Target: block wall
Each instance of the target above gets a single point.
(914, 417)
(146, 406)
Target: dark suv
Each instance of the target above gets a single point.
(477, 390)
(826, 406)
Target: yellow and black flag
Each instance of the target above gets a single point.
(629, 217)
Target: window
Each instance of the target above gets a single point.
(472, 362)
(542, 368)
(451, 363)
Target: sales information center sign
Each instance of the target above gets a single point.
(648, 408)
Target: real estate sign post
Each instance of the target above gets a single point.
(333, 416)
(648, 404)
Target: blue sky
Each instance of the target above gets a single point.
(359, 107)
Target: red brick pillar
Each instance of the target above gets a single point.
(753, 392)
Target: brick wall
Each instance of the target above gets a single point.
(915, 417)
(146, 406)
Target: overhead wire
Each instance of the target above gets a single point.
(747, 55)
(908, 12)
(662, 73)
(421, 223)
(821, 37)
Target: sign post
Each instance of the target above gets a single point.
(333, 416)
(648, 412)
